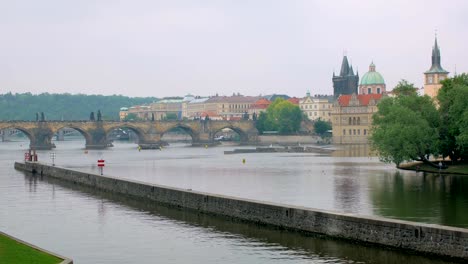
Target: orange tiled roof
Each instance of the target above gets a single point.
(364, 99)
(294, 100)
(261, 104)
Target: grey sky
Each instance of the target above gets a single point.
(164, 48)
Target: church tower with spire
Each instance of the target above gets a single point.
(347, 81)
(435, 74)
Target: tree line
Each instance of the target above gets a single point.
(25, 106)
(410, 127)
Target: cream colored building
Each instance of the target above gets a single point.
(435, 74)
(195, 108)
(316, 108)
(230, 107)
(352, 118)
(162, 108)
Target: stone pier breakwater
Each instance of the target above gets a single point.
(423, 238)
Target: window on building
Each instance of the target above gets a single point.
(378, 90)
(358, 120)
(315, 113)
(349, 123)
(350, 132)
(369, 90)
(430, 79)
(354, 120)
(359, 131)
(344, 132)
(354, 131)
(365, 132)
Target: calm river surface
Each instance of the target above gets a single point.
(95, 227)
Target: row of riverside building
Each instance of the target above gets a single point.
(349, 109)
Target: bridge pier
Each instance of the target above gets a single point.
(97, 138)
(41, 138)
(150, 140)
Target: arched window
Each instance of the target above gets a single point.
(349, 121)
(354, 131)
(358, 120)
(354, 120)
(365, 132)
(359, 131)
(350, 132)
(344, 132)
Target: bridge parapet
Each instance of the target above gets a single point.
(149, 133)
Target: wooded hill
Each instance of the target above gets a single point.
(65, 106)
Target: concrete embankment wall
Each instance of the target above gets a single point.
(426, 238)
(287, 140)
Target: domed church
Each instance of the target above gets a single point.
(372, 82)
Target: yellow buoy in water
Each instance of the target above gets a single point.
(206, 146)
(243, 161)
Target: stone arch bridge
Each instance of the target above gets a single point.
(149, 133)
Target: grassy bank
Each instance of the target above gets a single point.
(12, 251)
(452, 169)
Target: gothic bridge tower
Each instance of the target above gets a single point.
(347, 81)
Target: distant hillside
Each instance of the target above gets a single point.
(65, 106)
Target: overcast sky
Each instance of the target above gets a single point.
(172, 48)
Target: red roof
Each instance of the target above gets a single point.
(364, 99)
(261, 104)
(294, 100)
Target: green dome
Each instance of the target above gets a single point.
(372, 77)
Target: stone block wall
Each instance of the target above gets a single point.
(424, 238)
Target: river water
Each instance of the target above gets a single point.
(96, 227)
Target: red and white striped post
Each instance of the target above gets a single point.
(100, 164)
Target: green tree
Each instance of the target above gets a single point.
(171, 116)
(282, 116)
(64, 106)
(405, 128)
(131, 117)
(404, 88)
(321, 127)
(453, 109)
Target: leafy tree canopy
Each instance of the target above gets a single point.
(282, 116)
(64, 106)
(404, 88)
(405, 128)
(321, 127)
(453, 109)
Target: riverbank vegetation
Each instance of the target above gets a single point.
(12, 251)
(64, 106)
(457, 168)
(409, 127)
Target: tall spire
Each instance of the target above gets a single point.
(344, 66)
(436, 66)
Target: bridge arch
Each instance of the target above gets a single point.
(25, 131)
(186, 128)
(243, 136)
(140, 133)
(82, 131)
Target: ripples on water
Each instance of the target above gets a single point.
(95, 227)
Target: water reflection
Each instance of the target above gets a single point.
(362, 150)
(256, 239)
(422, 197)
